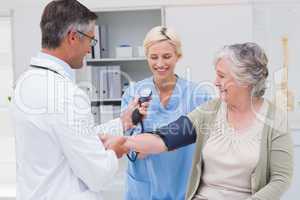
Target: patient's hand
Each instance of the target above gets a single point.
(115, 143)
(146, 144)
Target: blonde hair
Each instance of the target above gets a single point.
(159, 34)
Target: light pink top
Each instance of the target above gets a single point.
(229, 159)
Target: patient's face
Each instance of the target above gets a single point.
(162, 59)
(229, 88)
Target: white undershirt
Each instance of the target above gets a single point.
(229, 158)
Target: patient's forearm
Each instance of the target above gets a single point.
(175, 135)
(146, 144)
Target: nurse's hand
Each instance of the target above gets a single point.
(146, 144)
(115, 143)
(126, 115)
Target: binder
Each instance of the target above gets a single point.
(103, 42)
(94, 90)
(96, 49)
(103, 83)
(96, 113)
(84, 79)
(116, 111)
(114, 82)
(106, 112)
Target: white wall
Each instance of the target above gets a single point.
(26, 41)
(26, 33)
(211, 28)
(271, 23)
(27, 16)
(7, 160)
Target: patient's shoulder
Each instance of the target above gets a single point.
(204, 112)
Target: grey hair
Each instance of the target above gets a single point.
(61, 16)
(77, 26)
(248, 65)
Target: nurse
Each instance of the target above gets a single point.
(151, 178)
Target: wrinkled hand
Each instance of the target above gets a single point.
(115, 143)
(146, 144)
(126, 115)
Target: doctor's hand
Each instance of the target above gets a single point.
(115, 143)
(126, 115)
(146, 144)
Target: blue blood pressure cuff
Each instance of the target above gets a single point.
(178, 133)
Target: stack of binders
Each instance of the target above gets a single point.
(100, 50)
(109, 89)
(109, 82)
(103, 86)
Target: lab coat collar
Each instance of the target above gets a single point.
(51, 62)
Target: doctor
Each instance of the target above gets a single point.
(59, 153)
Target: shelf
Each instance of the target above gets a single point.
(116, 59)
(7, 191)
(110, 100)
(106, 102)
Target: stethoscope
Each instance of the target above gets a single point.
(45, 68)
(137, 118)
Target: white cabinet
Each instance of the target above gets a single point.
(6, 75)
(7, 168)
(123, 30)
(203, 31)
(7, 145)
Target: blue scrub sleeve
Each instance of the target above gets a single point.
(126, 98)
(178, 133)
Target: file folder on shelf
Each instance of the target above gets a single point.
(96, 50)
(106, 112)
(96, 112)
(116, 111)
(103, 83)
(114, 82)
(103, 41)
(95, 84)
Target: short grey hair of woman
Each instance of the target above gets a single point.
(248, 65)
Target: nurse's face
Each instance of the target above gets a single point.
(162, 59)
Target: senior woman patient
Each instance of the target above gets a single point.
(243, 146)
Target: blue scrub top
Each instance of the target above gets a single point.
(163, 176)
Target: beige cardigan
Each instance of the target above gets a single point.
(274, 170)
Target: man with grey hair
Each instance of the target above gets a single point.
(59, 153)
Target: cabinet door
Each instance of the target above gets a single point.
(7, 147)
(204, 30)
(6, 75)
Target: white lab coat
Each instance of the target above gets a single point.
(59, 155)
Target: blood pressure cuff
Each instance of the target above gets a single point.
(178, 133)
